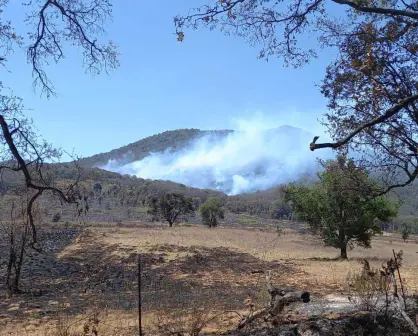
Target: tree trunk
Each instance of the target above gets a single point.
(10, 268)
(343, 243)
(18, 270)
(170, 223)
(344, 252)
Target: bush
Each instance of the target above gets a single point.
(367, 291)
(279, 229)
(281, 210)
(56, 218)
(212, 212)
(406, 231)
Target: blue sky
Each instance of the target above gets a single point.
(206, 82)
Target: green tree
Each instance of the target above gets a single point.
(341, 207)
(406, 231)
(371, 86)
(97, 188)
(280, 210)
(171, 207)
(212, 211)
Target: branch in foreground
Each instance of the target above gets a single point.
(388, 114)
(68, 198)
(357, 5)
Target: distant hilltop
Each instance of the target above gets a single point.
(229, 161)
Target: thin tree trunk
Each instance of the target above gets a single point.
(343, 244)
(344, 252)
(19, 264)
(10, 267)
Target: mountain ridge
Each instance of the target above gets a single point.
(155, 143)
(231, 161)
(170, 139)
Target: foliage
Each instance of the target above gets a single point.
(371, 87)
(406, 231)
(212, 212)
(57, 217)
(341, 207)
(281, 210)
(171, 207)
(279, 229)
(97, 188)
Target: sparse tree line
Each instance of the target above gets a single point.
(174, 207)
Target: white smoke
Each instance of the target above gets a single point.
(255, 157)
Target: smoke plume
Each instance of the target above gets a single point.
(248, 159)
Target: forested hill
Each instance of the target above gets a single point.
(175, 139)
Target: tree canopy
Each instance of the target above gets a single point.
(171, 207)
(340, 207)
(212, 211)
(371, 87)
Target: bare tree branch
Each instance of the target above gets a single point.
(377, 10)
(388, 114)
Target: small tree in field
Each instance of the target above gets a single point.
(406, 231)
(340, 207)
(171, 207)
(281, 209)
(212, 212)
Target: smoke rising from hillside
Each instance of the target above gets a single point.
(252, 158)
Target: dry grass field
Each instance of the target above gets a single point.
(185, 269)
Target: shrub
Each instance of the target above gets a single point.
(279, 229)
(56, 218)
(212, 212)
(406, 231)
(280, 210)
(367, 290)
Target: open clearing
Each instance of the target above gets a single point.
(184, 267)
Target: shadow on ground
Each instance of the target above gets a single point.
(90, 274)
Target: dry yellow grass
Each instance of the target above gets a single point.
(297, 260)
(306, 253)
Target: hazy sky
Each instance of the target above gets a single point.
(205, 82)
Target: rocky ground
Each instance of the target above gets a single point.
(354, 325)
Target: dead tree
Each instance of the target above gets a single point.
(17, 232)
(23, 155)
(18, 138)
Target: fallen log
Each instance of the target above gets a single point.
(287, 299)
(279, 299)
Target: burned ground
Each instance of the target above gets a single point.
(95, 269)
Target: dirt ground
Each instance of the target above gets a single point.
(91, 276)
